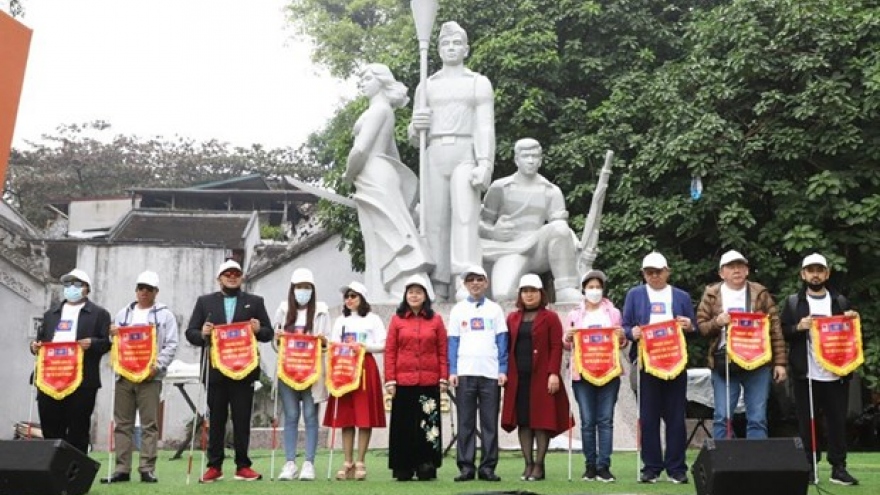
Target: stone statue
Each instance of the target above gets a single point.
(524, 229)
(385, 190)
(458, 115)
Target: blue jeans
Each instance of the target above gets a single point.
(596, 406)
(291, 399)
(756, 389)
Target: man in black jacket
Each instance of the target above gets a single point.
(830, 392)
(229, 305)
(75, 319)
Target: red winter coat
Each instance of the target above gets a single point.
(416, 350)
(547, 412)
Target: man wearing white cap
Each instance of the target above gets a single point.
(735, 293)
(478, 368)
(830, 392)
(130, 398)
(653, 302)
(75, 319)
(228, 305)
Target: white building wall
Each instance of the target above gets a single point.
(97, 214)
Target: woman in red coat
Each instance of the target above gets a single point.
(416, 373)
(535, 402)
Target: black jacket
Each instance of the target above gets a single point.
(795, 308)
(210, 308)
(93, 323)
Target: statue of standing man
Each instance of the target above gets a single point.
(460, 123)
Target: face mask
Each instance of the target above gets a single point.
(73, 294)
(302, 296)
(593, 295)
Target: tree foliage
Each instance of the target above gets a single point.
(86, 161)
(772, 103)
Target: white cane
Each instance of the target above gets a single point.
(729, 417)
(112, 426)
(812, 426)
(274, 426)
(195, 425)
(33, 396)
(638, 413)
(205, 440)
(332, 436)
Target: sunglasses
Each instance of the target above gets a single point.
(145, 287)
(231, 274)
(351, 295)
(651, 272)
(74, 283)
(474, 278)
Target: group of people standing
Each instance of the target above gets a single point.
(479, 353)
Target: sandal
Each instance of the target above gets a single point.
(346, 472)
(360, 471)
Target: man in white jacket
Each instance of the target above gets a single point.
(142, 398)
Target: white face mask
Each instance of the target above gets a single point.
(302, 296)
(593, 295)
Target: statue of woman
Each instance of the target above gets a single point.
(385, 190)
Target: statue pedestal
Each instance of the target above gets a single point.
(624, 412)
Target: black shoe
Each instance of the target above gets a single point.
(117, 478)
(678, 478)
(590, 473)
(402, 474)
(527, 471)
(490, 476)
(840, 476)
(426, 472)
(604, 474)
(648, 478)
(464, 476)
(148, 477)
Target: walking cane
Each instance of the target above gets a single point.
(813, 441)
(729, 418)
(638, 413)
(195, 424)
(112, 426)
(33, 396)
(570, 435)
(274, 426)
(332, 436)
(204, 436)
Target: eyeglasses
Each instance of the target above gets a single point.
(351, 295)
(231, 274)
(74, 283)
(145, 287)
(652, 272)
(474, 278)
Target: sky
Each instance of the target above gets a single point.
(202, 69)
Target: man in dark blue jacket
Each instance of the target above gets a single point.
(653, 302)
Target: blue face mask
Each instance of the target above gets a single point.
(73, 294)
(302, 296)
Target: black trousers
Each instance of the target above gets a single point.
(224, 397)
(70, 418)
(831, 399)
(477, 394)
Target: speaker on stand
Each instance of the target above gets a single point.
(755, 467)
(44, 467)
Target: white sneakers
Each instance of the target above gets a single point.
(289, 471)
(308, 472)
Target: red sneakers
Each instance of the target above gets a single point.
(247, 474)
(211, 475)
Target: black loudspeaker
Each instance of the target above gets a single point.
(44, 467)
(756, 467)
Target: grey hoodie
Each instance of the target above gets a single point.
(166, 332)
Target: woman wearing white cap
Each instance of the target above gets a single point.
(302, 313)
(535, 402)
(416, 373)
(362, 408)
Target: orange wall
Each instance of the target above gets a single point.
(15, 39)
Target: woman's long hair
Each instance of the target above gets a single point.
(426, 306)
(520, 305)
(293, 309)
(363, 308)
(393, 89)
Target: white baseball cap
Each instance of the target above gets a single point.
(531, 280)
(654, 260)
(77, 274)
(228, 265)
(476, 270)
(814, 259)
(302, 276)
(355, 286)
(730, 257)
(420, 280)
(148, 278)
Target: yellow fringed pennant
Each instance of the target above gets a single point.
(663, 350)
(748, 339)
(596, 355)
(299, 360)
(345, 367)
(59, 368)
(134, 352)
(837, 343)
(234, 350)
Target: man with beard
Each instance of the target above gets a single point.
(228, 305)
(830, 392)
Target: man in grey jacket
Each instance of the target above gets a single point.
(142, 398)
